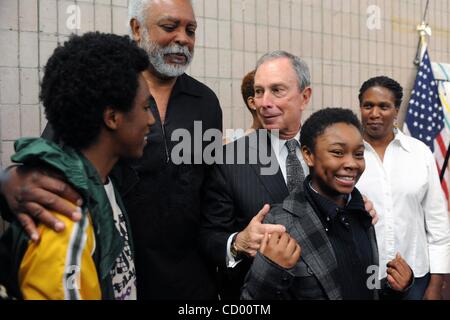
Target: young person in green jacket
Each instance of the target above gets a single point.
(97, 102)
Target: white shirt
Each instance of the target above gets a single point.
(281, 153)
(124, 273)
(407, 195)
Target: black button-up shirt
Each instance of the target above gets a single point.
(346, 228)
(164, 202)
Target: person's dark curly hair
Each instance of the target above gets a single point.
(83, 77)
(384, 82)
(247, 88)
(319, 121)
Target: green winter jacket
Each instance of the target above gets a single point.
(83, 177)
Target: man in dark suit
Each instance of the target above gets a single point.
(236, 195)
(239, 191)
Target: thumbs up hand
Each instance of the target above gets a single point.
(249, 240)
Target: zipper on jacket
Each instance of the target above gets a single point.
(165, 143)
(155, 111)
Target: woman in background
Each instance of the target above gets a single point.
(402, 180)
(248, 93)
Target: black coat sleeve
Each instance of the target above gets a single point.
(218, 215)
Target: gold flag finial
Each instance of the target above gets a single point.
(424, 30)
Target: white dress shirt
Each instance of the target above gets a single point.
(407, 195)
(281, 153)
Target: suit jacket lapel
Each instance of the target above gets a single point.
(317, 251)
(273, 183)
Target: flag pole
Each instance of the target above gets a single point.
(423, 29)
(444, 166)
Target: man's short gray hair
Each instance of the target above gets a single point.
(138, 9)
(300, 67)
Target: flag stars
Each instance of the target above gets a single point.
(425, 113)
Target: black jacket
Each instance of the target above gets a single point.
(315, 276)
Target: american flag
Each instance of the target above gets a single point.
(425, 117)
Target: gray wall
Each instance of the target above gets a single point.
(331, 35)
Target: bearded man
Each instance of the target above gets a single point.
(162, 199)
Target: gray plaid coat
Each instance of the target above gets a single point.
(313, 275)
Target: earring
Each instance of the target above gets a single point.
(395, 126)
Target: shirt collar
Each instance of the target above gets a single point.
(187, 85)
(278, 144)
(404, 142)
(399, 138)
(328, 208)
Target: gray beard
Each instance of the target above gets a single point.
(156, 55)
